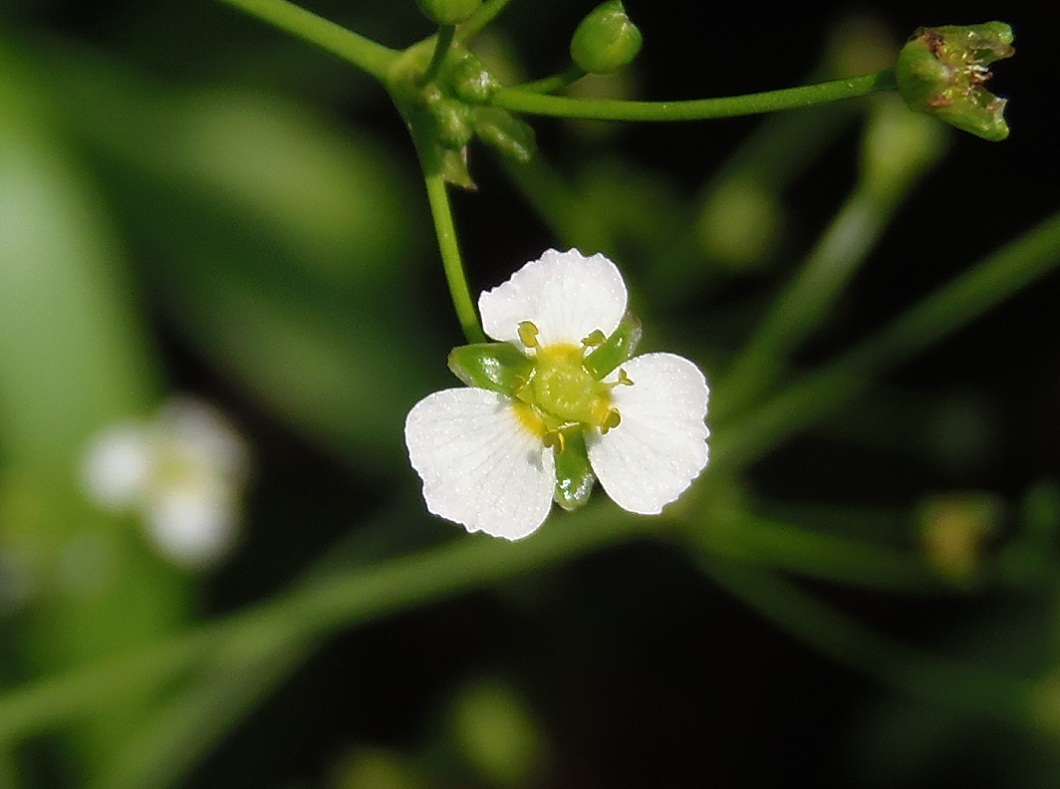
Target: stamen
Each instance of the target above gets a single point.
(623, 379)
(555, 439)
(595, 339)
(612, 420)
(520, 388)
(528, 334)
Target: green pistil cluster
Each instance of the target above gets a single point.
(561, 393)
(557, 391)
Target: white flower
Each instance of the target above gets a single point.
(488, 458)
(182, 472)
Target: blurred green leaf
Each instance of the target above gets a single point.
(280, 244)
(72, 360)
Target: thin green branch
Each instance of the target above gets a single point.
(957, 685)
(486, 14)
(311, 611)
(531, 103)
(555, 82)
(438, 196)
(988, 283)
(186, 728)
(774, 545)
(441, 48)
(803, 303)
(365, 54)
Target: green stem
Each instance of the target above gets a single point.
(365, 54)
(956, 685)
(555, 82)
(441, 49)
(311, 611)
(522, 100)
(486, 14)
(988, 283)
(745, 537)
(438, 197)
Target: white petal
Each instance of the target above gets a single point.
(118, 465)
(565, 294)
(203, 436)
(193, 525)
(660, 446)
(481, 467)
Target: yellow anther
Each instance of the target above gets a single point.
(623, 379)
(555, 439)
(521, 388)
(595, 338)
(528, 334)
(612, 420)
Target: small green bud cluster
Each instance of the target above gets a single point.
(942, 71)
(451, 107)
(448, 12)
(605, 40)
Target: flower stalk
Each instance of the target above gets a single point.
(535, 103)
(452, 262)
(369, 56)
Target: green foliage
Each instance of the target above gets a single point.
(191, 202)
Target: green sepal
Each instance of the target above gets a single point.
(451, 120)
(497, 366)
(574, 475)
(454, 168)
(605, 40)
(942, 71)
(616, 349)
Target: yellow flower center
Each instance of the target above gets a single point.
(561, 392)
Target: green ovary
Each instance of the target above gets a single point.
(563, 388)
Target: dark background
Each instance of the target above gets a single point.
(643, 673)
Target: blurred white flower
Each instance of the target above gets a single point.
(492, 457)
(182, 472)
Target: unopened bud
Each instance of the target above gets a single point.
(954, 528)
(471, 81)
(942, 71)
(509, 135)
(448, 12)
(605, 40)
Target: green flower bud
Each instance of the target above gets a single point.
(954, 528)
(605, 40)
(497, 366)
(452, 122)
(509, 135)
(942, 70)
(470, 80)
(448, 12)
